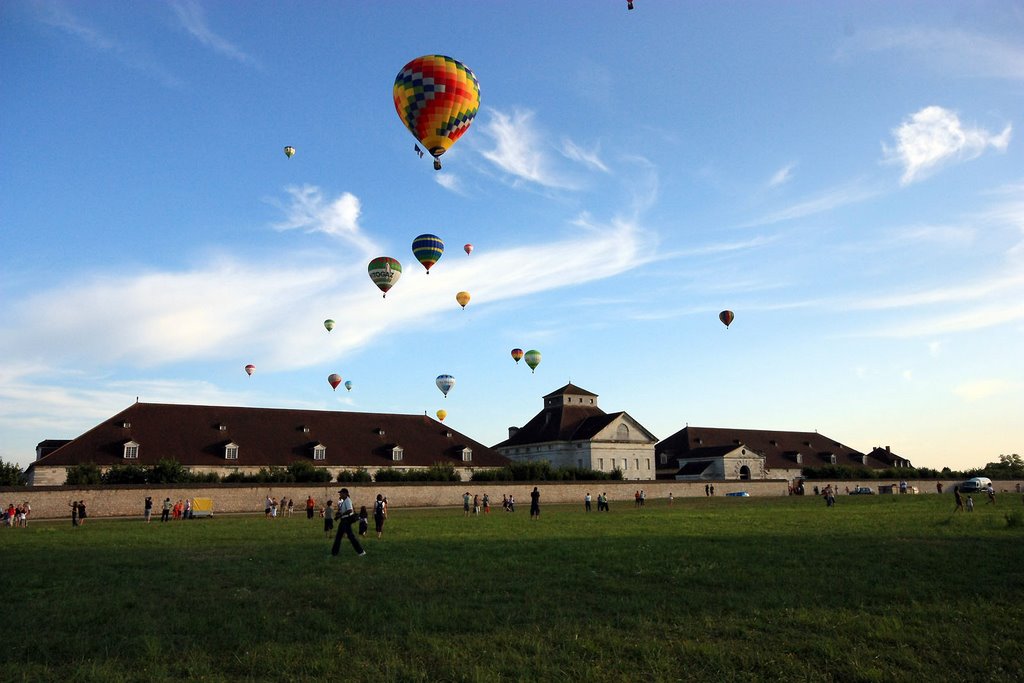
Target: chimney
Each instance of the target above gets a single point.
(512, 431)
(886, 449)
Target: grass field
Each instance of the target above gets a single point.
(876, 589)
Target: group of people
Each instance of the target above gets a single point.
(285, 506)
(17, 515)
(78, 513)
(829, 494)
(968, 504)
(479, 504)
(602, 502)
(641, 498)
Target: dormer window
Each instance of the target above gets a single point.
(126, 424)
(467, 454)
(799, 459)
(131, 450)
(222, 427)
(396, 453)
(832, 458)
(231, 451)
(664, 458)
(319, 452)
(305, 429)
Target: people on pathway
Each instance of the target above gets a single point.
(345, 521)
(166, 510)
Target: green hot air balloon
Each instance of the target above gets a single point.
(329, 324)
(384, 271)
(532, 358)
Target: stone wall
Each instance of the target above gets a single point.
(127, 501)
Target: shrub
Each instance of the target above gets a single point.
(126, 474)
(84, 474)
(303, 471)
(357, 476)
(543, 471)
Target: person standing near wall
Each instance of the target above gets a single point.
(534, 503)
(345, 522)
(165, 515)
(379, 514)
(148, 509)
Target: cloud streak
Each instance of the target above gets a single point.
(193, 19)
(308, 210)
(518, 149)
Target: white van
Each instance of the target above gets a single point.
(975, 485)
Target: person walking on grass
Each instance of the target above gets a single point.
(586, 502)
(345, 522)
(534, 503)
(310, 506)
(465, 504)
(328, 514)
(487, 504)
(81, 512)
(379, 514)
(959, 500)
(364, 521)
(74, 512)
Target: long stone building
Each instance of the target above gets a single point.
(224, 439)
(572, 431)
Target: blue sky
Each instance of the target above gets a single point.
(847, 177)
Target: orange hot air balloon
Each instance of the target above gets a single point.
(442, 414)
(334, 380)
(249, 369)
(517, 355)
(463, 299)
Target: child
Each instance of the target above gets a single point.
(364, 521)
(970, 504)
(328, 519)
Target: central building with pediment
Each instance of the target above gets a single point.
(573, 431)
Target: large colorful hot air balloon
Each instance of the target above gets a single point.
(727, 317)
(445, 383)
(442, 414)
(532, 359)
(289, 151)
(329, 324)
(517, 354)
(436, 97)
(463, 299)
(334, 379)
(249, 369)
(348, 385)
(468, 248)
(427, 249)
(385, 272)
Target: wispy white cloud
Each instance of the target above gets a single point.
(974, 291)
(934, 137)
(952, 52)
(587, 157)
(60, 16)
(310, 211)
(980, 389)
(450, 182)
(519, 149)
(828, 200)
(782, 176)
(193, 18)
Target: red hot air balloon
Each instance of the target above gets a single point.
(517, 355)
(727, 317)
(334, 380)
(468, 248)
(249, 369)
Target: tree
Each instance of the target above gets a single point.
(84, 475)
(10, 474)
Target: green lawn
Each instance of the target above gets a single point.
(879, 588)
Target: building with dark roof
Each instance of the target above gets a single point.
(572, 431)
(759, 454)
(224, 439)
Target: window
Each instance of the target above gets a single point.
(231, 451)
(648, 463)
(579, 463)
(131, 450)
(622, 433)
(467, 454)
(396, 453)
(799, 458)
(600, 463)
(319, 452)
(638, 464)
(625, 465)
(664, 458)
(832, 459)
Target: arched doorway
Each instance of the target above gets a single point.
(744, 472)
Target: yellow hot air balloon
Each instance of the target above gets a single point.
(463, 299)
(289, 151)
(442, 414)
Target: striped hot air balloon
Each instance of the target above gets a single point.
(427, 249)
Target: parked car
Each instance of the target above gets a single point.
(975, 485)
(739, 494)
(862, 491)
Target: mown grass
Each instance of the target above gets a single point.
(877, 589)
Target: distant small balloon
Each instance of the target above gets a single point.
(329, 324)
(289, 151)
(468, 248)
(442, 414)
(249, 369)
(348, 385)
(727, 317)
(463, 299)
(517, 355)
(334, 380)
